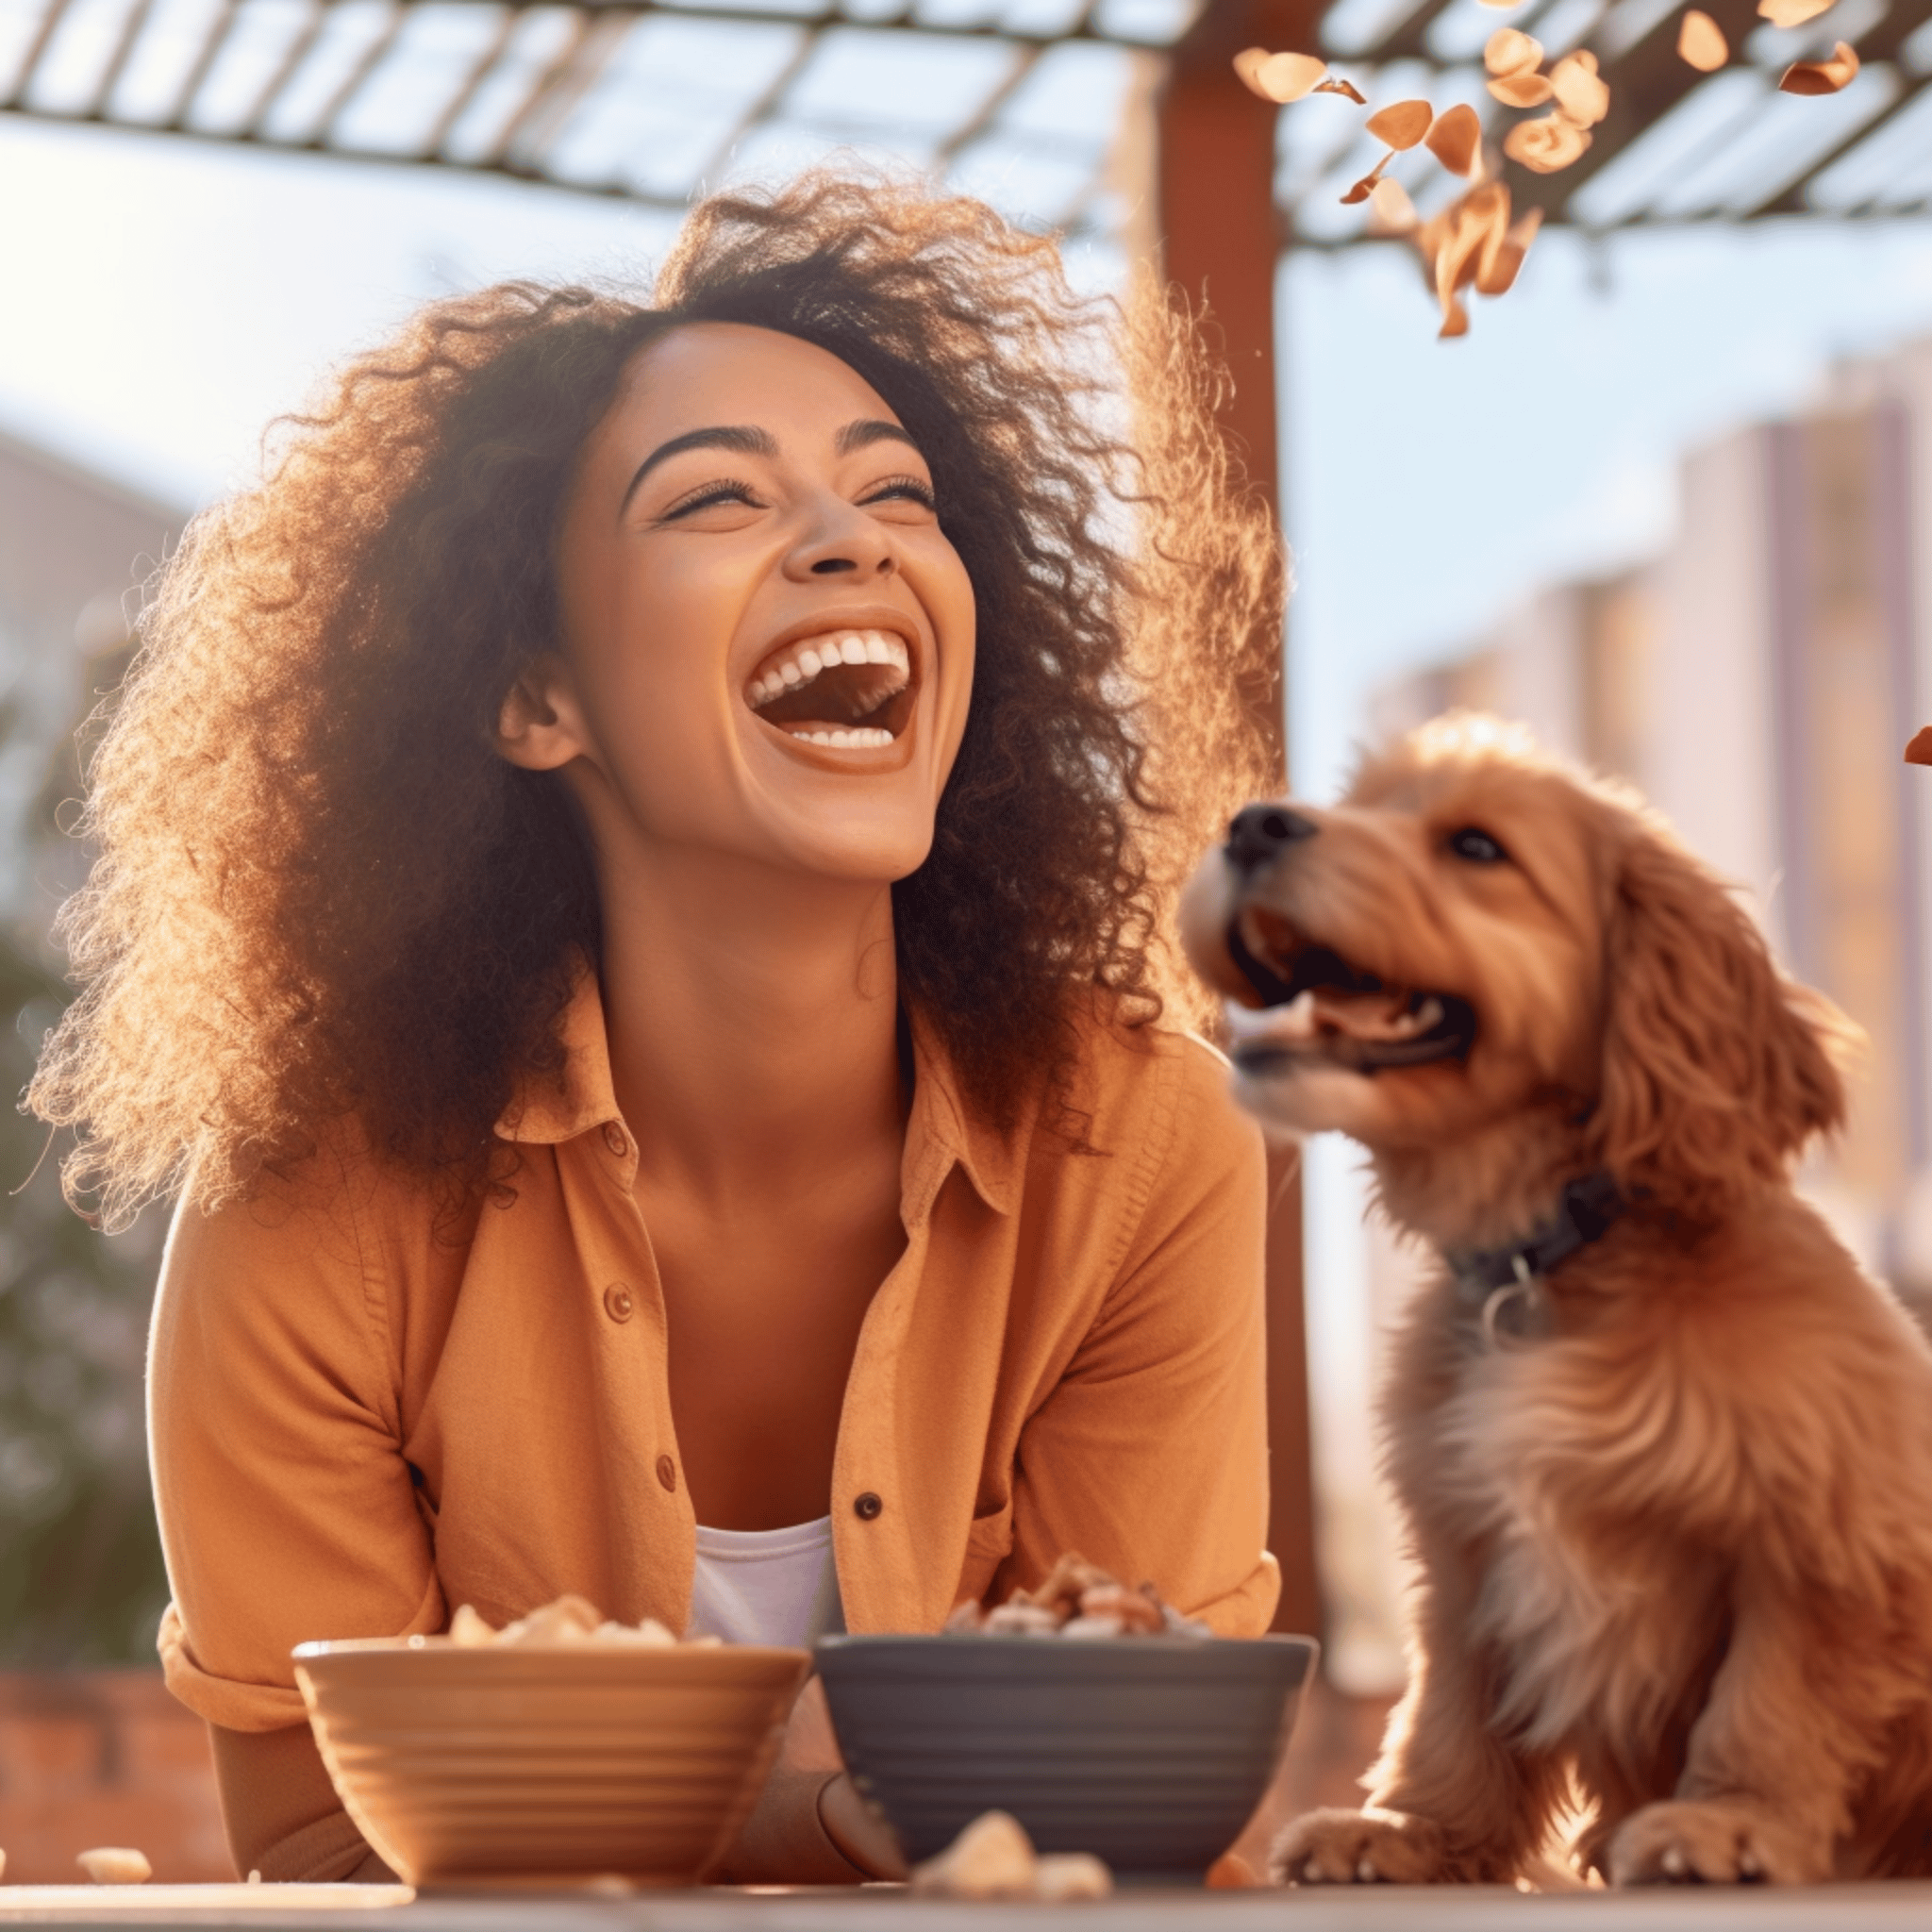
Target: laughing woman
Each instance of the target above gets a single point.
(634, 871)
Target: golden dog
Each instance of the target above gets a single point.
(1663, 1451)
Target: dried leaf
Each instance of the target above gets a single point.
(1497, 271)
(1455, 138)
(1285, 77)
(1368, 184)
(1919, 750)
(1393, 212)
(1402, 125)
(1701, 43)
(1520, 90)
(1347, 88)
(1581, 96)
(1506, 51)
(1248, 64)
(1457, 253)
(1821, 76)
(1792, 12)
(1545, 145)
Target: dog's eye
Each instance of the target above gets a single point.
(1476, 845)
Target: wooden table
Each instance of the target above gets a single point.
(887, 1908)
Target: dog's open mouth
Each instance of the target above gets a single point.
(1319, 1006)
(849, 689)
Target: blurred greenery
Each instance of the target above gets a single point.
(81, 1581)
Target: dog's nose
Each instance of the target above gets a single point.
(1260, 832)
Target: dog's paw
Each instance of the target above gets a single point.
(1712, 1841)
(1337, 1847)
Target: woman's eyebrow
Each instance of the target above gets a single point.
(868, 430)
(747, 441)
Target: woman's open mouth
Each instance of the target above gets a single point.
(1321, 1006)
(848, 689)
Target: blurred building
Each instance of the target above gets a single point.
(75, 548)
(1759, 682)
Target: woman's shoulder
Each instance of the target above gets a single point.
(1158, 1099)
(332, 1209)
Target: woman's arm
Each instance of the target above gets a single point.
(1150, 1455)
(287, 1508)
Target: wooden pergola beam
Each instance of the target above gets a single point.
(1223, 241)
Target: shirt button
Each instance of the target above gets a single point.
(617, 1302)
(666, 1472)
(866, 1506)
(614, 1140)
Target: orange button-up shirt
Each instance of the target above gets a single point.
(362, 1418)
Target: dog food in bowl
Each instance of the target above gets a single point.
(558, 1751)
(1077, 1599)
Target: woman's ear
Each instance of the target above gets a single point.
(1716, 1067)
(539, 726)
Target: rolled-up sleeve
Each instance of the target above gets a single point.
(1150, 1455)
(287, 1508)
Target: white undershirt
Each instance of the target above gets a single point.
(766, 1586)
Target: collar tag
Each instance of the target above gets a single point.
(1505, 1287)
(1517, 1314)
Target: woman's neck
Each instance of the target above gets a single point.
(752, 1015)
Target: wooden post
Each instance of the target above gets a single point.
(1222, 243)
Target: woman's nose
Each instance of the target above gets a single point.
(841, 540)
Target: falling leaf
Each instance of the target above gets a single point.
(1919, 750)
(1285, 78)
(1792, 12)
(1248, 64)
(1366, 186)
(1402, 125)
(1506, 51)
(1701, 43)
(1546, 144)
(1821, 76)
(1520, 90)
(1347, 88)
(1453, 244)
(1455, 138)
(1501, 258)
(1393, 212)
(1581, 96)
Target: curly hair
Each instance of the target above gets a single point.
(319, 891)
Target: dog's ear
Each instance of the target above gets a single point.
(1716, 1067)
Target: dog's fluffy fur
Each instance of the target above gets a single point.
(1674, 1557)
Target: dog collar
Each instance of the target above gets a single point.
(1504, 1286)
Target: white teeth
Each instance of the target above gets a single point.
(861, 737)
(823, 652)
(1428, 1015)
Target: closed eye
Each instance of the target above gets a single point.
(903, 487)
(708, 495)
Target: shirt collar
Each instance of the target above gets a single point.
(942, 1130)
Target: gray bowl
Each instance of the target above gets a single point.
(1150, 1752)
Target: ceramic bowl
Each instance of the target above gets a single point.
(480, 1766)
(1150, 1752)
